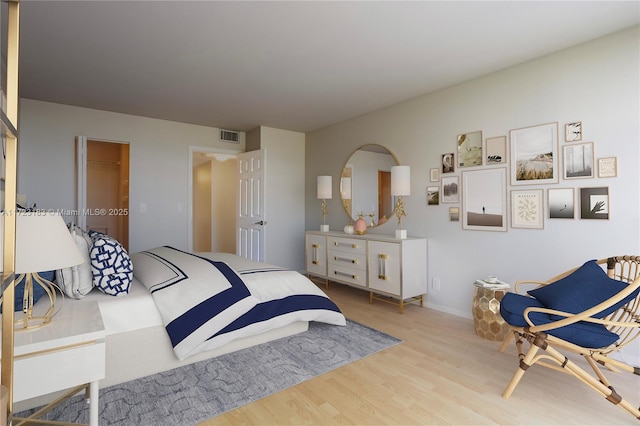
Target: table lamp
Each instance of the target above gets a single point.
(323, 191)
(400, 186)
(43, 243)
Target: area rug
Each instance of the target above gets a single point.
(193, 393)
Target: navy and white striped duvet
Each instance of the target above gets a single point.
(206, 302)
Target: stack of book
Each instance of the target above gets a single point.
(498, 285)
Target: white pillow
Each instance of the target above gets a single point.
(77, 281)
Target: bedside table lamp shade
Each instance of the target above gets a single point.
(324, 193)
(43, 243)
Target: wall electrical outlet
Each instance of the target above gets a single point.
(435, 283)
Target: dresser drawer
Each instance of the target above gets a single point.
(316, 255)
(348, 274)
(347, 245)
(352, 260)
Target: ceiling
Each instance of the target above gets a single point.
(291, 65)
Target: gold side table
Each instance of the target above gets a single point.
(487, 320)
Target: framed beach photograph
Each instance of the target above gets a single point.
(496, 150)
(434, 175)
(450, 189)
(534, 154)
(527, 209)
(454, 214)
(484, 205)
(448, 163)
(607, 167)
(561, 202)
(573, 131)
(470, 149)
(594, 203)
(578, 160)
(433, 195)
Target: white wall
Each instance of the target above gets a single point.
(159, 164)
(596, 83)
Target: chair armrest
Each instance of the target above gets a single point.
(584, 315)
(527, 282)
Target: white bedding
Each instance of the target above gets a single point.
(135, 311)
(206, 303)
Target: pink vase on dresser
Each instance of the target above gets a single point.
(360, 226)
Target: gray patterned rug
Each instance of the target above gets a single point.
(193, 393)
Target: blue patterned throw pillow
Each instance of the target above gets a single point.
(110, 265)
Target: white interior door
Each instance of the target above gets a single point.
(251, 220)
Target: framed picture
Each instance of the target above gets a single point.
(561, 203)
(470, 149)
(527, 209)
(454, 214)
(573, 131)
(448, 164)
(578, 160)
(496, 150)
(484, 205)
(594, 203)
(608, 167)
(433, 195)
(450, 189)
(534, 154)
(434, 175)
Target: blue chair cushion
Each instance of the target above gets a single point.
(582, 333)
(586, 287)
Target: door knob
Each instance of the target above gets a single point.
(262, 222)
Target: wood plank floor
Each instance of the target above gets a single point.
(441, 374)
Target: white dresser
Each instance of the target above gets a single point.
(392, 270)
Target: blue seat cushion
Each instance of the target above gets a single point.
(582, 333)
(585, 288)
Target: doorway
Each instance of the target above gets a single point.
(385, 200)
(107, 189)
(214, 200)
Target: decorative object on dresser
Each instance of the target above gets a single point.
(324, 193)
(43, 243)
(360, 226)
(400, 186)
(392, 270)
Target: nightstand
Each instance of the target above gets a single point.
(68, 353)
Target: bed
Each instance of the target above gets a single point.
(138, 342)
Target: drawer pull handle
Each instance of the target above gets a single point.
(382, 266)
(344, 259)
(338, 243)
(314, 254)
(353, 277)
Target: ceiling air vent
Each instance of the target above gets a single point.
(229, 136)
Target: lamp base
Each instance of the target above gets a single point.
(401, 234)
(324, 228)
(30, 321)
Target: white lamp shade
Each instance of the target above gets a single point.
(400, 180)
(324, 188)
(345, 188)
(43, 243)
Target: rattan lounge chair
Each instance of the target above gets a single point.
(584, 311)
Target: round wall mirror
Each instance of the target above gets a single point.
(365, 184)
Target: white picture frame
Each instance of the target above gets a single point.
(484, 205)
(527, 209)
(534, 154)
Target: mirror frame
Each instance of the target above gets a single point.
(346, 205)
